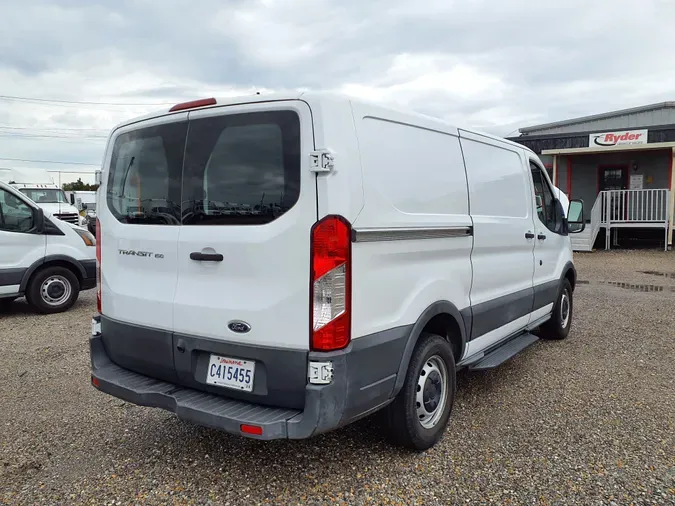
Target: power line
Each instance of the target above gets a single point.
(5, 127)
(75, 102)
(16, 135)
(49, 161)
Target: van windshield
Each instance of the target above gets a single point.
(45, 196)
(223, 170)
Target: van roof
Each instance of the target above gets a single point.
(319, 96)
(224, 101)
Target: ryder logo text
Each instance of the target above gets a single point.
(611, 139)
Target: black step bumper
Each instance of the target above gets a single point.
(350, 395)
(192, 405)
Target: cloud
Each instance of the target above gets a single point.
(480, 63)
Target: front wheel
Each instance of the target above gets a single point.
(53, 290)
(419, 414)
(558, 327)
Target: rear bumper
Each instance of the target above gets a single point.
(188, 404)
(326, 407)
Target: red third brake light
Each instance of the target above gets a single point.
(98, 265)
(331, 272)
(193, 104)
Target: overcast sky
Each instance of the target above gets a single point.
(491, 64)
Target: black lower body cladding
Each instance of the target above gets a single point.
(89, 274)
(160, 369)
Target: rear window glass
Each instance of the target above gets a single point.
(144, 184)
(232, 169)
(241, 169)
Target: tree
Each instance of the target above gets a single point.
(79, 185)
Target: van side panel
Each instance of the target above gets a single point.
(413, 236)
(502, 257)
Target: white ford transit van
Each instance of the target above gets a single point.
(44, 258)
(280, 266)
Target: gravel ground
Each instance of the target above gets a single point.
(590, 420)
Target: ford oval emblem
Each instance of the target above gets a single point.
(239, 326)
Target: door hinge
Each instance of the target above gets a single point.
(321, 161)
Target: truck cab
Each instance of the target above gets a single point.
(41, 189)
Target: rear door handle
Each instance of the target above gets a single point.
(206, 257)
(541, 237)
(529, 235)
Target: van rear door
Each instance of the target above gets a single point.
(140, 221)
(249, 202)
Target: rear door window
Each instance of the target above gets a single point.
(144, 185)
(241, 169)
(232, 170)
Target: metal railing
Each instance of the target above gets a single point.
(615, 209)
(635, 206)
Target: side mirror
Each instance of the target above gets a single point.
(72, 199)
(38, 220)
(575, 217)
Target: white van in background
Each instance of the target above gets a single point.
(39, 186)
(47, 260)
(369, 255)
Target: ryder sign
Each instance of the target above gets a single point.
(610, 139)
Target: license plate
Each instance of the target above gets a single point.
(230, 372)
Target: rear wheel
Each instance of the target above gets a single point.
(53, 290)
(419, 415)
(558, 327)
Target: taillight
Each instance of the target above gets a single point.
(98, 265)
(331, 276)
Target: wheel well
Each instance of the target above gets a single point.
(569, 275)
(57, 263)
(446, 326)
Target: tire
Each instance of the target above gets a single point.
(406, 425)
(53, 290)
(558, 327)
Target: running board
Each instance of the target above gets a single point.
(504, 352)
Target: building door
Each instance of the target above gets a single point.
(613, 178)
